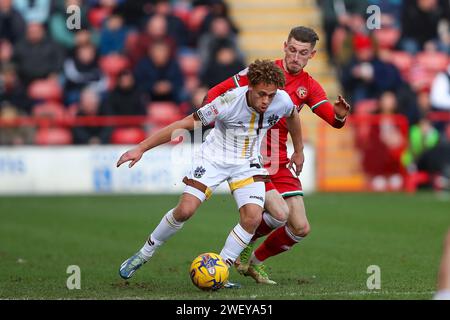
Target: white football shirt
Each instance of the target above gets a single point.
(239, 129)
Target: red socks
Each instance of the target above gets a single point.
(277, 242)
(262, 230)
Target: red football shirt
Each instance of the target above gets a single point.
(302, 89)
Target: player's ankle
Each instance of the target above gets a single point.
(254, 260)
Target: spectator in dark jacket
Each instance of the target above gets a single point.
(82, 70)
(338, 14)
(125, 99)
(113, 35)
(90, 105)
(366, 76)
(37, 56)
(177, 30)
(12, 25)
(429, 13)
(225, 64)
(12, 90)
(159, 75)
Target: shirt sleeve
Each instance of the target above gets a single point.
(319, 104)
(216, 109)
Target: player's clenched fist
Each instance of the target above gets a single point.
(133, 155)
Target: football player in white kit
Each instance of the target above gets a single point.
(231, 153)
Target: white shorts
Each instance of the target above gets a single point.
(246, 181)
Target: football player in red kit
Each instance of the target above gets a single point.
(284, 208)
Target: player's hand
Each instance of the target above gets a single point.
(297, 158)
(133, 155)
(341, 107)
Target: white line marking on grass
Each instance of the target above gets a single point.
(339, 293)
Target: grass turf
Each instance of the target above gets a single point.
(41, 236)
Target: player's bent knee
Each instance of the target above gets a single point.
(250, 218)
(280, 212)
(183, 212)
(301, 230)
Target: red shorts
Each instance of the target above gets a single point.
(286, 183)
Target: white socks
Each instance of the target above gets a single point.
(165, 229)
(237, 240)
(291, 235)
(271, 221)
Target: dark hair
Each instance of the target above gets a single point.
(304, 34)
(265, 71)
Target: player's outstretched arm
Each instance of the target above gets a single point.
(295, 130)
(336, 113)
(341, 108)
(160, 137)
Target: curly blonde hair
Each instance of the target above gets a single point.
(265, 71)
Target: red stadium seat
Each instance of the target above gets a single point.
(190, 64)
(113, 64)
(45, 89)
(387, 38)
(51, 110)
(127, 135)
(163, 113)
(53, 136)
(433, 61)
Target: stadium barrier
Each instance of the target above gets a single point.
(363, 156)
(92, 170)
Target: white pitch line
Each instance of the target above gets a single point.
(340, 293)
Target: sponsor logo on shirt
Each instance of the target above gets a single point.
(214, 109)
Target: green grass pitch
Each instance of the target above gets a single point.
(41, 236)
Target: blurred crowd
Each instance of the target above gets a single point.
(157, 58)
(400, 67)
(128, 57)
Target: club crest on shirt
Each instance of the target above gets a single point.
(273, 119)
(302, 92)
(199, 172)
